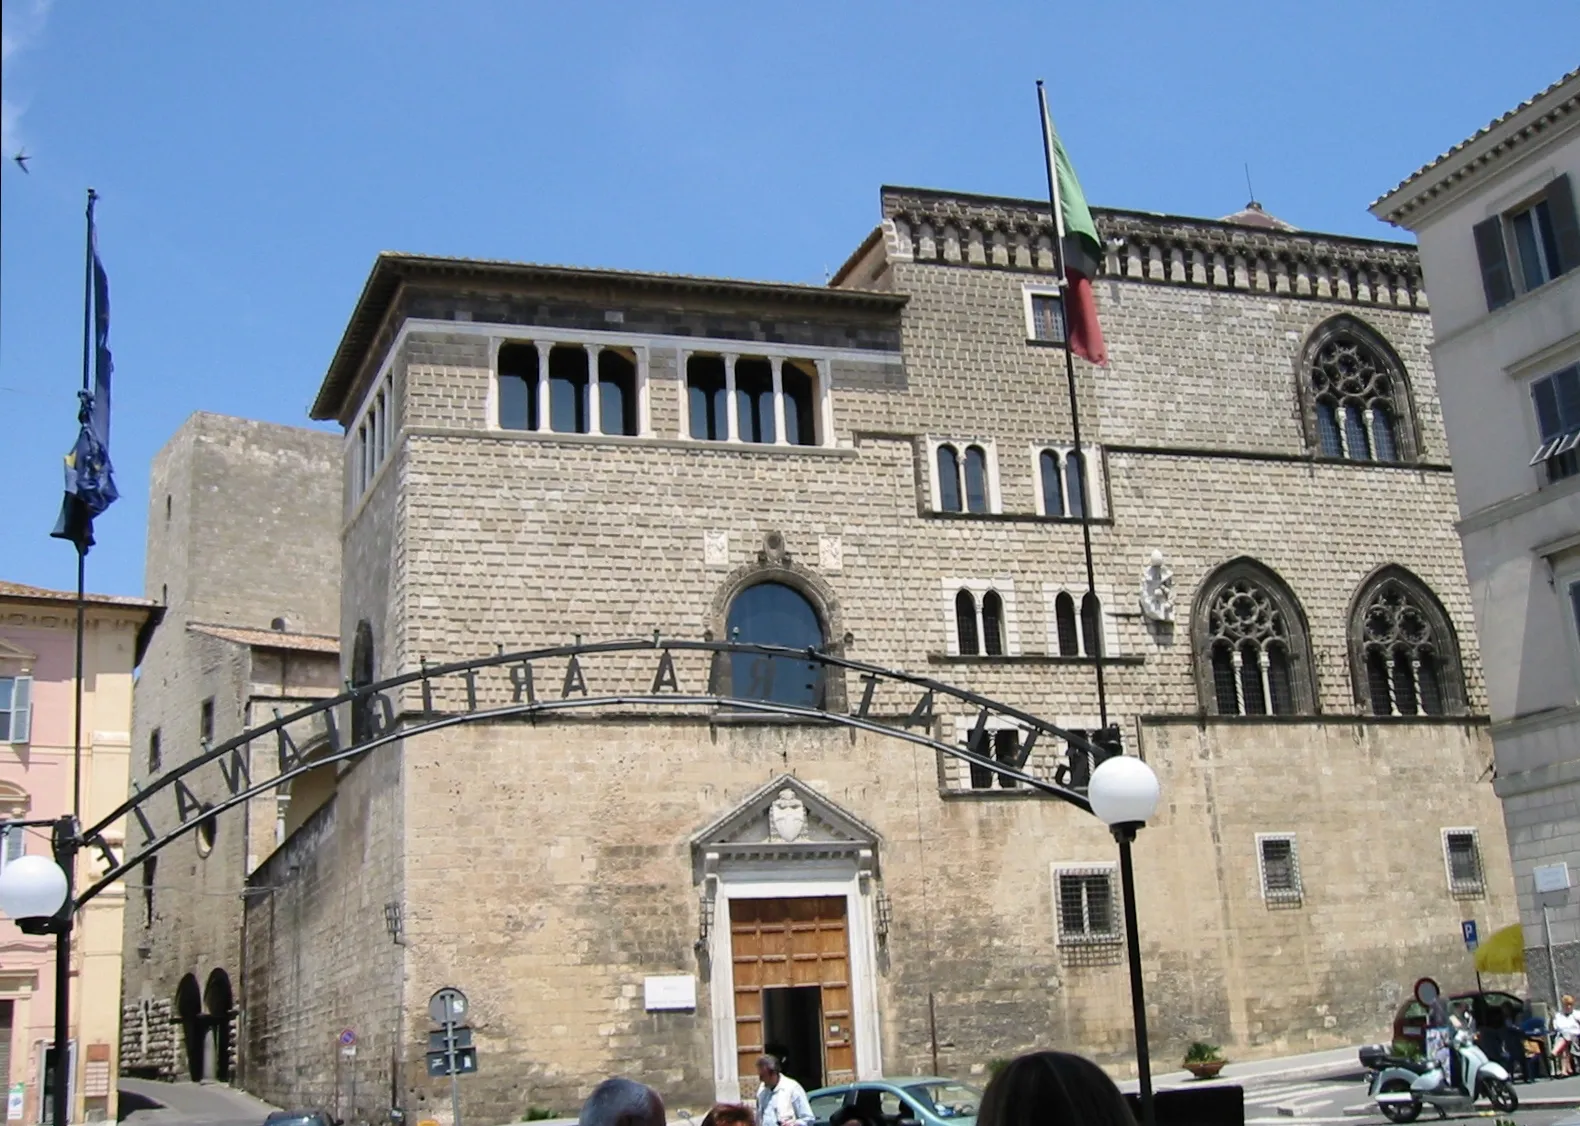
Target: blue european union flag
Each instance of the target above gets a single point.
(90, 478)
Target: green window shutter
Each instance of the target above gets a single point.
(1494, 260)
(21, 711)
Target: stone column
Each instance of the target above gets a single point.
(1237, 662)
(1267, 688)
(824, 427)
(594, 407)
(780, 437)
(732, 413)
(543, 385)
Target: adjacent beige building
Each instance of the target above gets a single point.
(38, 629)
(1500, 247)
(881, 468)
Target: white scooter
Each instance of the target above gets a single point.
(1402, 1086)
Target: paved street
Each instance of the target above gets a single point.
(193, 1104)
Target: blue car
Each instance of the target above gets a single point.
(919, 1101)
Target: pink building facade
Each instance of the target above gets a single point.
(37, 689)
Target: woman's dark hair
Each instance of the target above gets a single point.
(1053, 1089)
(729, 1114)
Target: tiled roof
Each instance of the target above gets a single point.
(270, 638)
(1252, 215)
(45, 594)
(1491, 126)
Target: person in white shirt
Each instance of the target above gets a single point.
(781, 1101)
(1566, 1035)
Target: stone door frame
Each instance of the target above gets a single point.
(796, 880)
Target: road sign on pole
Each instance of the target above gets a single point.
(348, 1039)
(1468, 927)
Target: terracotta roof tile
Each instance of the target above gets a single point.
(270, 638)
(45, 594)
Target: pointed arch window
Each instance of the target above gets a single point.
(966, 623)
(992, 624)
(1252, 653)
(1404, 657)
(1064, 618)
(1357, 396)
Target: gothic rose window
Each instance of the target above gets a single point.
(1406, 661)
(1358, 398)
(1252, 645)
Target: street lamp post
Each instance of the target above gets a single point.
(1123, 792)
(35, 893)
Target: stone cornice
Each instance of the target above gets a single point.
(950, 228)
(1532, 123)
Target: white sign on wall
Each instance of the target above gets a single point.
(671, 991)
(1551, 877)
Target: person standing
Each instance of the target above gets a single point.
(1566, 1035)
(781, 1101)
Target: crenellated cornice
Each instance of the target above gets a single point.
(985, 231)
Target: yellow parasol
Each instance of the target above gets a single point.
(1503, 953)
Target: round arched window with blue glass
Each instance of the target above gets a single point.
(775, 614)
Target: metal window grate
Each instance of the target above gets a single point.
(1280, 865)
(1047, 317)
(1087, 908)
(1462, 853)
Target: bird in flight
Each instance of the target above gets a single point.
(21, 159)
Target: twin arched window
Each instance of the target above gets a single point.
(1085, 639)
(1063, 483)
(979, 627)
(1358, 402)
(962, 479)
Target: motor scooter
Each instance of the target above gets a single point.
(1402, 1086)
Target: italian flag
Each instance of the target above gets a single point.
(1081, 250)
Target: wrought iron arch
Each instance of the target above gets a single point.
(1387, 378)
(776, 564)
(544, 682)
(1247, 576)
(1394, 614)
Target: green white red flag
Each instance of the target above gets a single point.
(1080, 250)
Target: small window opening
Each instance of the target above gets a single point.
(754, 400)
(1091, 624)
(1086, 906)
(1052, 484)
(1047, 317)
(1464, 862)
(976, 479)
(948, 479)
(167, 506)
(992, 624)
(617, 402)
(1006, 751)
(800, 404)
(206, 720)
(1280, 869)
(150, 871)
(1064, 620)
(156, 757)
(705, 397)
(518, 387)
(1075, 480)
(568, 383)
(966, 623)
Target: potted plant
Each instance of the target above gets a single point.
(1204, 1060)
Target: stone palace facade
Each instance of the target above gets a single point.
(884, 467)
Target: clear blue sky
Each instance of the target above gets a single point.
(253, 158)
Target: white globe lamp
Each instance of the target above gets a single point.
(32, 887)
(1123, 791)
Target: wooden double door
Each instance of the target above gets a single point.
(792, 988)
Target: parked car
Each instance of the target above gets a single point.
(1409, 1023)
(301, 1118)
(918, 1101)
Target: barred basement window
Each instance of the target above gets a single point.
(1462, 855)
(1280, 867)
(1086, 906)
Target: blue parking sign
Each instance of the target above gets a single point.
(1469, 927)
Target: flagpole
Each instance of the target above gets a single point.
(1138, 1006)
(1075, 413)
(82, 553)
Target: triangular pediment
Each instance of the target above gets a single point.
(786, 819)
(10, 652)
